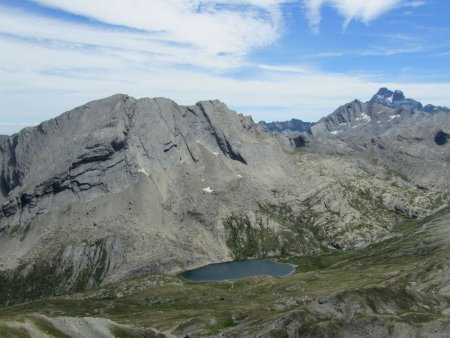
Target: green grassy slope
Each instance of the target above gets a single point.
(393, 286)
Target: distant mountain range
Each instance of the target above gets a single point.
(291, 126)
(386, 97)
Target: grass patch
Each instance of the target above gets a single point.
(258, 240)
(10, 332)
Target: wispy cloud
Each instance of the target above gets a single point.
(387, 51)
(328, 55)
(221, 31)
(313, 14)
(286, 69)
(415, 3)
(359, 10)
(372, 51)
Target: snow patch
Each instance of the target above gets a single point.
(334, 132)
(240, 176)
(364, 117)
(208, 190)
(393, 117)
(142, 170)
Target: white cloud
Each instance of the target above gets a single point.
(313, 14)
(231, 30)
(360, 10)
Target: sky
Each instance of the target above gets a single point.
(271, 59)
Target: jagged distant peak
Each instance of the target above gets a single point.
(396, 99)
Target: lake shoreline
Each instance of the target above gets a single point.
(236, 270)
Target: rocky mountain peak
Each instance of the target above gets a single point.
(394, 99)
(397, 100)
(348, 116)
(120, 170)
(382, 95)
(398, 96)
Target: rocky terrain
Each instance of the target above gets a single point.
(125, 190)
(411, 142)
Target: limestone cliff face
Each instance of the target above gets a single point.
(122, 187)
(130, 185)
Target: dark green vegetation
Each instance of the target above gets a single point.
(398, 287)
(258, 240)
(50, 278)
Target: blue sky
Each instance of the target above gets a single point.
(271, 59)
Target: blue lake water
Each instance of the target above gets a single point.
(237, 270)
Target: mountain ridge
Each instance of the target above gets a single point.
(289, 127)
(384, 97)
(122, 187)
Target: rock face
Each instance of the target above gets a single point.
(122, 187)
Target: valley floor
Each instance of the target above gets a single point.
(396, 288)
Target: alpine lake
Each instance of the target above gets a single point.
(237, 270)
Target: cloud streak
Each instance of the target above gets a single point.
(358, 10)
(216, 29)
